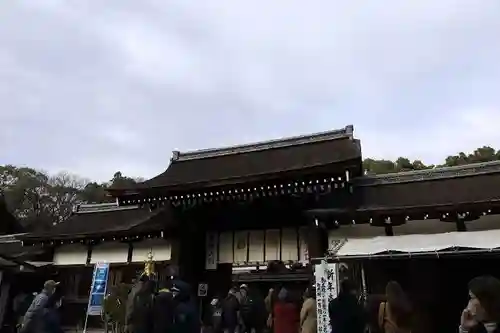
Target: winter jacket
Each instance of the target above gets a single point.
(129, 307)
(387, 322)
(141, 315)
(247, 309)
(346, 314)
(286, 317)
(33, 319)
(163, 312)
(186, 319)
(51, 321)
(230, 310)
(308, 318)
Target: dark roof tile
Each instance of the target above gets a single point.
(445, 186)
(100, 219)
(473, 169)
(236, 164)
(15, 249)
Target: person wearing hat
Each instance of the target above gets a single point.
(186, 318)
(33, 319)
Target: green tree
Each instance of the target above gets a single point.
(32, 195)
(38, 199)
(379, 166)
(94, 193)
(120, 181)
(482, 154)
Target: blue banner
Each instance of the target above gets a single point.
(98, 290)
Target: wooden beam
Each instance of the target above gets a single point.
(460, 223)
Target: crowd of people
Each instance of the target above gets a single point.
(170, 307)
(243, 310)
(393, 312)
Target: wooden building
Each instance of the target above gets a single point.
(241, 208)
(434, 231)
(121, 236)
(260, 212)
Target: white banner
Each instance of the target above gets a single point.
(326, 277)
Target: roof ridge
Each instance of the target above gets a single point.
(101, 208)
(346, 132)
(431, 174)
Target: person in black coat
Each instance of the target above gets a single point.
(346, 314)
(482, 314)
(51, 318)
(186, 318)
(141, 315)
(163, 310)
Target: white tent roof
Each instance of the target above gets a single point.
(480, 240)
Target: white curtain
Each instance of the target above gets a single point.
(75, 254)
(289, 245)
(256, 246)
(161, 249)
(273, 248)
(226, 248)
(113, 252)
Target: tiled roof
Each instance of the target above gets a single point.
(467, 184)
(100, 219)
(13, 253)
(12, 247)
(237, 164)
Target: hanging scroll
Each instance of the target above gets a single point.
(211, 251)
(240, 247)
(303, 249)
(326, 278)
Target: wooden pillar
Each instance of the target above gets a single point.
(389, 231)
(315, 241)
(176, 250)
(460, 223)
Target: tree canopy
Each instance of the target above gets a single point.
(483, 154)
(33, 195)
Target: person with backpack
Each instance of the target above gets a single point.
(163, 309)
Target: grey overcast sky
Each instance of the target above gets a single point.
(96, 86)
